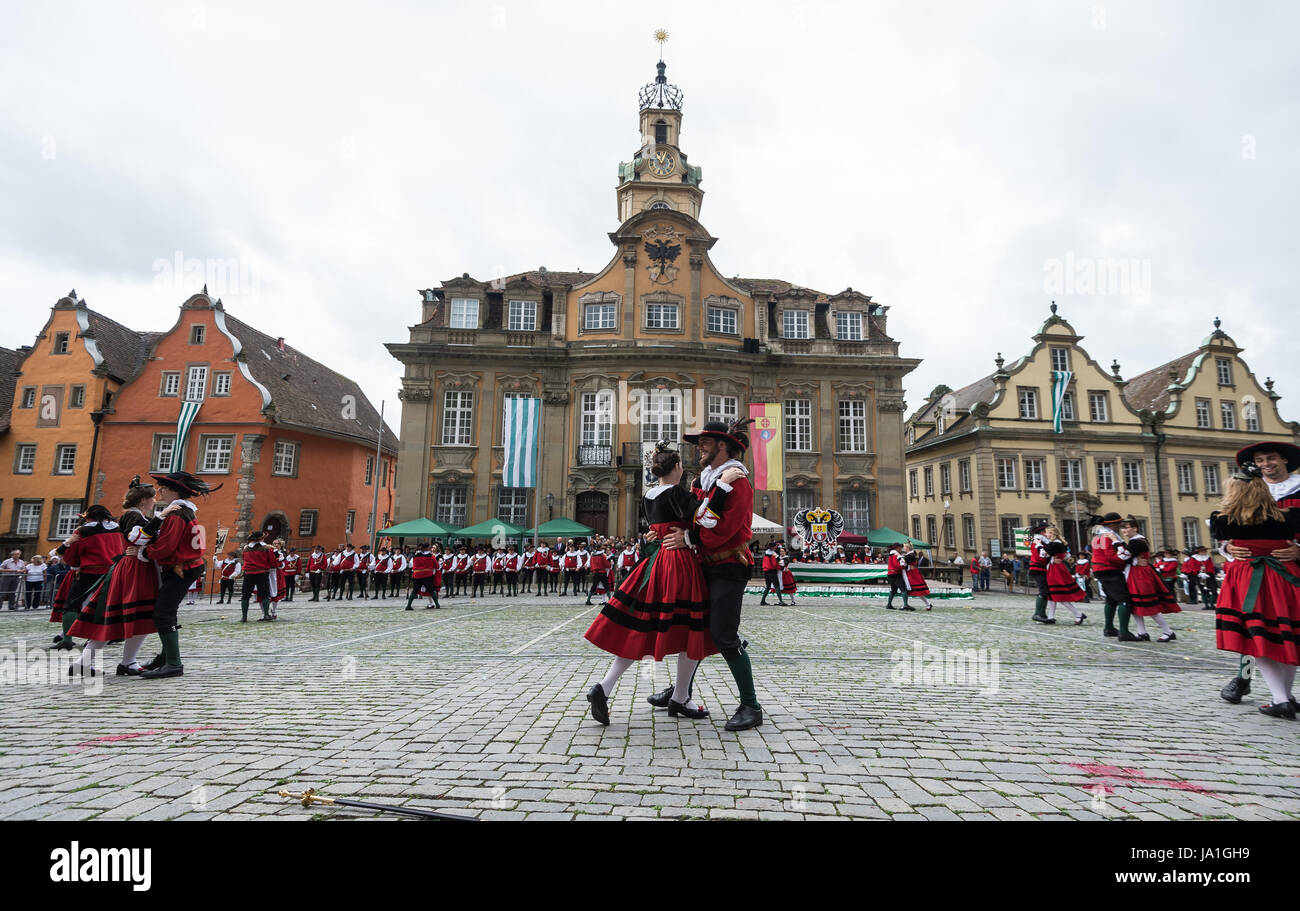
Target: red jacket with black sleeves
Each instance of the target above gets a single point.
(178, 541)
(723, 523)
(424, 565)
(894, 565)
(599, 564)
(1108, 555)
(94, 549)
(316, 563)
(258, 558)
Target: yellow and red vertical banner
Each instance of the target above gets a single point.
(768, 446)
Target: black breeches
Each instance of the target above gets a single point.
(170, 594)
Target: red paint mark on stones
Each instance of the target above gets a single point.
(1119, 775)
(115, 738)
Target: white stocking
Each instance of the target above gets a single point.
(87, 658)
(1140, 624)
(1164, 625)
(685, 672)
(615, 671)
(1051, 610)
(131, 648)
(1276, 678)
(1070, 606)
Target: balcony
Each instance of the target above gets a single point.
(595, 455)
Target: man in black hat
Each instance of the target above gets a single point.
(176, 544)
(1277, 463)
(722, 533)
(1110, 554)
(1038, 561)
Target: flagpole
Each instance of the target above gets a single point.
(374, 507)
(537, 475)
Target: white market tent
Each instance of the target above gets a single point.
(762, 526)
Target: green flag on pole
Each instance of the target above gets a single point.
(522, 419)
(189, 411)
(1060, 385)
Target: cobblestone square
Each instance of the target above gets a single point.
(479, 709)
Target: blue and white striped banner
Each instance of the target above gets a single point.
(522, 422)
(1060, 385)
(189, 411)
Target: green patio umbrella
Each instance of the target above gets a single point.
(559, 527)
(420, 528)
(492, 528)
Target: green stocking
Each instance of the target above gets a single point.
(171, 644)
(266, 607)
(1110, 615)
(1125, 611)
(743, 671)
(1040, 606)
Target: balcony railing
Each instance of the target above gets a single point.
(595, 455)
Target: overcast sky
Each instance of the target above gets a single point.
(962, 163)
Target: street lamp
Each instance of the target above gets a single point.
(550, 506)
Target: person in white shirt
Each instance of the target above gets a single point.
(35, 581)
(11, 573)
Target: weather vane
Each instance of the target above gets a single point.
(661, 35)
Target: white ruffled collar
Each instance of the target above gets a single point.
(657, 491)
(710, 475)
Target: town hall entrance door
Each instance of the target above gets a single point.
(593, 511)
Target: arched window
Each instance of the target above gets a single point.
(659, 204)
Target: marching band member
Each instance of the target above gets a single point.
(347, 571)
(771, 575)
(464, 565)
(480, 566)
(1166, 567)
(397, 570)
(231, 569)
(1203, 576)
(627, 560)
(499, 572)
(383, 565)
(513, 563)
(315, 568)
(543, 571)
(572, 563)
(599, 564)
(528, 567)
(292, 566)
(426, 577)
(365, 565)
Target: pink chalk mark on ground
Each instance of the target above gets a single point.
(1115, 775)
(116, 738)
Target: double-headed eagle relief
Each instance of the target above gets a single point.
(662, 245)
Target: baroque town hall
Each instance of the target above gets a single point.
(649, 347)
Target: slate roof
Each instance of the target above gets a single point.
(9, 360)
(305, 392)
(979, 391)
(124, 350)
(1150, 390)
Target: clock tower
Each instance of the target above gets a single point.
(658, 176)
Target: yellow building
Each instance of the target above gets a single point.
(649, 347)
(986, 458)
(61, 386)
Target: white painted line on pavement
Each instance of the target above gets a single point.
(548, 632)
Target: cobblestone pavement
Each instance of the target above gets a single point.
(480, 709)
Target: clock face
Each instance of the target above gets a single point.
(662, 163)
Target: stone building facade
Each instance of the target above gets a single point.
(649, 347)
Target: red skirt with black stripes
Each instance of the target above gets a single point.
(123, 605)
(1270, 628)
(1147, 593)
(1061, 584)
(662, 608)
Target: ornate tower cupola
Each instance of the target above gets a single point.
(658, 176)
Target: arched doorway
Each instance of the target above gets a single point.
(273, 526)
(593, 510)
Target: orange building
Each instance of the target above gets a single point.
(291, 442)
(57, 391)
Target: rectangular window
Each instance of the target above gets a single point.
(457, 418)
(848, 326)
(599, 316)
(856, 512)
(61, 343)
(65, 459)
(1006, 474)
(661, 419)
(25, 460)
(1224, 366)
(963, 475)
(171, 383)
(1029, 404)
(1191, 534)
(723, 319)
(1250, 414)
(464, 313)
(29, 397)
(29, 519)
(945, 478)
(307, 523)
(1106, 477)
(1132, 477)
(1229, 413)
(661, 316)
(853, 425)
(77, 397)
(1203, 414)
(351, 521)
(523, 316)
(794, 324)
(196, 334)
(370, 469)
(1186, 478)
(798, 425)
(1060, 358)
(196, 383)
(164, 450)
(929, 480)
(796, 501)
(1211, 480)
(285, 461)
(931, 531)
(221, 384)
(512, 505)
(1034, 475)
(450, 509)
(597, 418)
(1007, 526)
(911, 480)
(216, 453)
(968, 530)
(1071, 474)
(1098, 408)
(66, 519)
(949, 533)
(1067, 407)
(383, 480)
(916, 527)
(724, 408)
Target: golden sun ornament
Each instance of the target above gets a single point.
(661, 35)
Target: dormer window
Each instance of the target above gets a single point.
(848, 326)
(794, 324)
(1060, 358)
(61, 343)
(196, 334)
(464, 313)
(938, 426)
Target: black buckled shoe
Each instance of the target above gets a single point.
(1234, 690)
(159, 660)
(167, 670)
(746, 717)
(1081, 618)
(1049, 621)
(1128, 637)
(599, 703)
(661, 700)
(686, 711)
(1144, 637)
(1110, 632)
(124, 671)
(1284, 710)
(1168, 637)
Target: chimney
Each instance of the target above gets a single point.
(280, 342)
